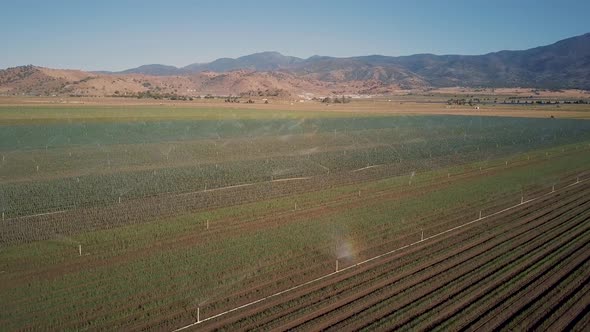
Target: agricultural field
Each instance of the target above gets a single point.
(159, 218)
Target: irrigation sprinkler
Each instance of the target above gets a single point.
(119, 199)
(479, 214)
(553, 189)
(295, 206)
(80, 250)
(37, 168)
(198, 315)
(521, 199)
(359, 193)
(336, 265)
(422, 236)
(2, 216)
(578, 179)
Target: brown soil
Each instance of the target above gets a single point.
(400, 105)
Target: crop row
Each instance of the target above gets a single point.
(157, 306)
(338, 301)
(506, 272)
(90, 287)
(74, 134)
(209, 235)
(126, 212)
(371, 143)
(540, 233)
(208, 308)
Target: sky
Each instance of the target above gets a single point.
(117, 35)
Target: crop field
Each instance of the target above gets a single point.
(526, 268)
(152, 218)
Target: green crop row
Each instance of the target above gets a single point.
(39, 181)
(214, 264)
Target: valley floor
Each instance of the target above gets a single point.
(131, 218)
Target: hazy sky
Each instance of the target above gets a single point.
(116, 35)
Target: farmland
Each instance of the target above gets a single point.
(151, 218)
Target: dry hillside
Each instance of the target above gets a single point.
(32, 80)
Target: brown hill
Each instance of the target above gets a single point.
(32, 80)
(562, 65)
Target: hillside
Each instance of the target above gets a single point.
(562, 65)
(32, 80)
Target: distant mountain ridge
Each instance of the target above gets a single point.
(263, 61)
(562, 65)
(153, 69)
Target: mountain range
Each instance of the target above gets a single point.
(564, 64)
